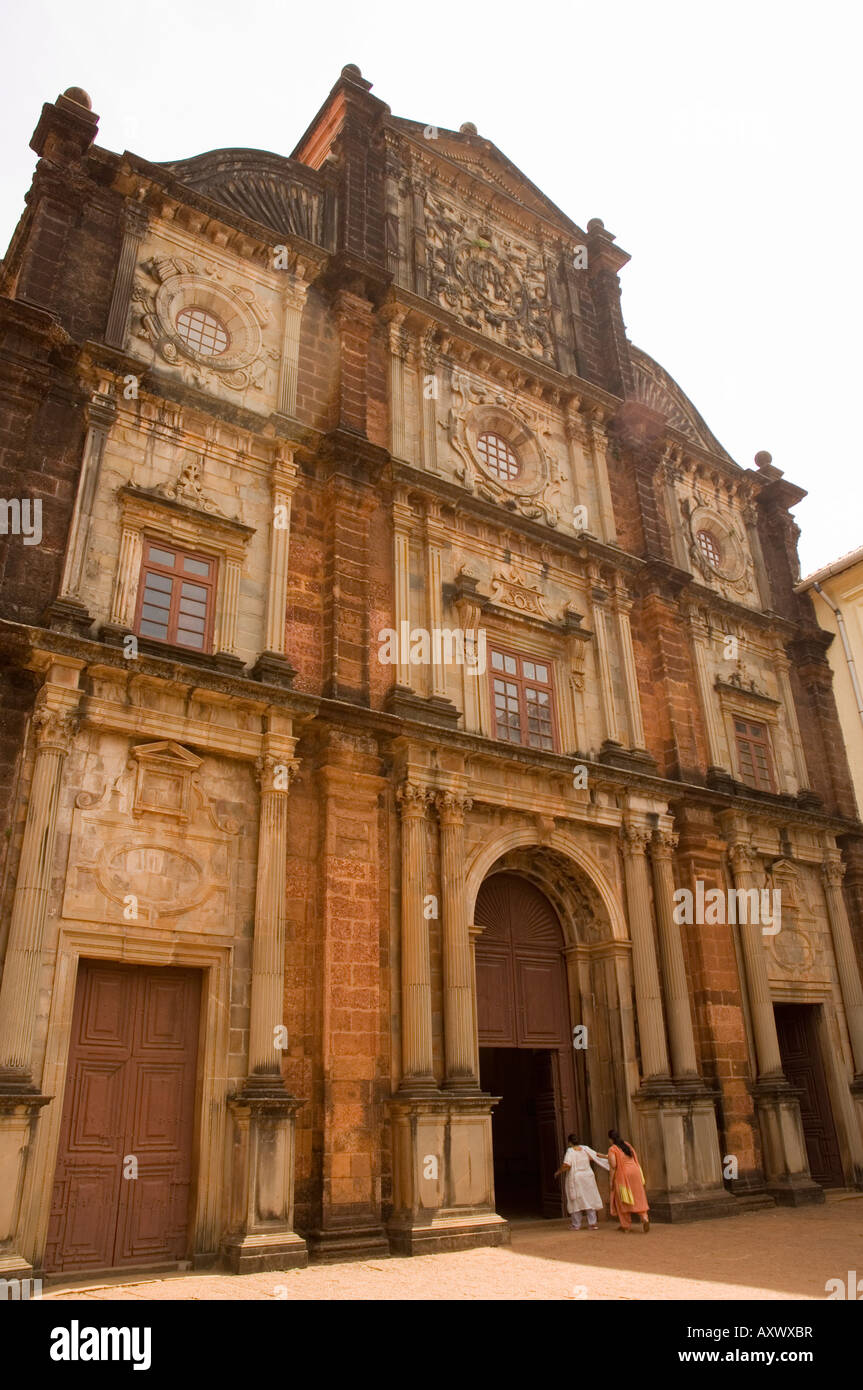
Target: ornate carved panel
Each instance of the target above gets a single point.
(495, 283)
(152, 847)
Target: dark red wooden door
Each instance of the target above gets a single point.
(121, 1187)
(522, 1003)
(796, 1026)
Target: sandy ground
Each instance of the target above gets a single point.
(782, 1253)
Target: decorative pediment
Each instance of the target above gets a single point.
(163, 784)
(512, 590)
(660, 392)
(486, 162)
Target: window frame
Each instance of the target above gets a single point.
(522, 682)
(210, 583)
(764, 743)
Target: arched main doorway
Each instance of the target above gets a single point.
(525, 1041)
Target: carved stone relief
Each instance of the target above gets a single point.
(152, 847)
(167, 285)
(474, 410)
(494, 283)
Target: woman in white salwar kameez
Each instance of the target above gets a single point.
(582, 1193)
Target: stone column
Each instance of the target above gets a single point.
(435, 544)
(623, 605)
(128, 575)
(268, 945)
(135, 222)
(417, 1069)
(54, 729)
(261, 1234)
(755, 964)
(101, 412)
(293, 303)
(598, 445)
(402, 522)
(228, 611)
(648, 993)
(606, 690)
(429, 384)
(717, 755)
(458, 992)
(683, 1058)
(273, 662)
(782, 666)
(783, 1143)
(398, 345)
(833, 872)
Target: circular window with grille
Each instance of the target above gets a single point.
(202, 331)
(498, 457)
(710, 548)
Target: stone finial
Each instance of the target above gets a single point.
(467, 129)
(77, 94)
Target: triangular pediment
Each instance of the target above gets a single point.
(166, 751)
(485, 162)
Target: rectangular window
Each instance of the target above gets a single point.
(523, 700)
(176, 598)
(753, 755)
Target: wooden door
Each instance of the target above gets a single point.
(124, 1166)
(797, 1027)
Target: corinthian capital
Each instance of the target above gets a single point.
(412, 799)
(275, 774)
(634, 839)
(452, 807)
(55, 729)
(742, 858)
(833, 872)
(663, 844)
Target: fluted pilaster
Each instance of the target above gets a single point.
(18, 995)
(676, 991)
(833, 872)
(761, 1012)
(268, 945)
(417, 1070)
(458, 988)
(648, 992)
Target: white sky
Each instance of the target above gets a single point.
(719, 143)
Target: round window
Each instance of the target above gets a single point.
(710, 548)
(498, 457)
(202, 332)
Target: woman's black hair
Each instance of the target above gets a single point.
(573, 1140)
(621, 1143)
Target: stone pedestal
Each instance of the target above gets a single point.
(443, 1175)
(785, 1163)
(680, 1153)
(19, 1113)
(262, 1182)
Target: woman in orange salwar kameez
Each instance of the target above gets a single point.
(627, 1183)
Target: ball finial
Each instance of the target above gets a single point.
(351, 70)
(763, 459)
(467, 129)
(77, 94)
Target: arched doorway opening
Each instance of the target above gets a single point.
(525, 1041)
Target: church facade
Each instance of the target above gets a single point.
(415, 747)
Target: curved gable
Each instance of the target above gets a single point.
(654, 387)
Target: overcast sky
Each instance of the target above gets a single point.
(719, 143)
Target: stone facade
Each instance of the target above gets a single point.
(310, 825)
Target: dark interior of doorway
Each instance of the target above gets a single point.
(525, 1130)
(803, 1065)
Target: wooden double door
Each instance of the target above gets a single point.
(525, 1041)
(124, 1165)
(803, 1065)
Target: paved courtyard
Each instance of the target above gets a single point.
(764, 1255)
